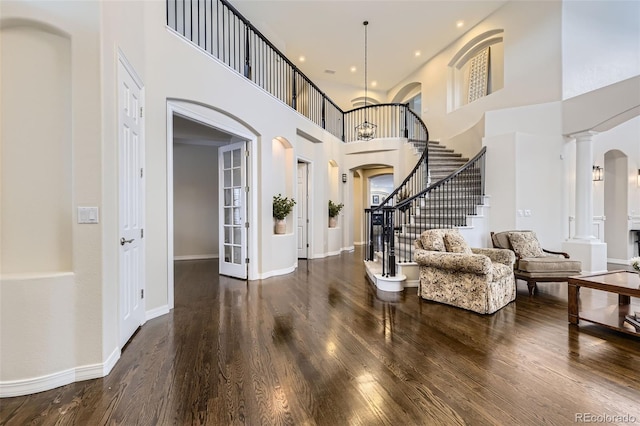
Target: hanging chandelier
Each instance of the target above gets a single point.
(366, 131)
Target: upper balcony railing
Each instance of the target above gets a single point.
(219, 29)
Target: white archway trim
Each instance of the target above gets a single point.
(218, 120)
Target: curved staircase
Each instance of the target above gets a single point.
(455, 199)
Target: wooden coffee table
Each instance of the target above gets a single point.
(625, 284)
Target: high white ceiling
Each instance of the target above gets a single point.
(330, 34)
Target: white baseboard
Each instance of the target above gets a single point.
(156, 312)
(111, 361)
(411, 283)
(196, 257)
(619, 261)
(276, 273)
(60, 378)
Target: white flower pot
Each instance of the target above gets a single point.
(281, 226)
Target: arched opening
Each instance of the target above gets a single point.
(364, 190)
(616, 185)
(476, 70)
(206, 173)
(282, 179)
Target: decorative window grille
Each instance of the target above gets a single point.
(479, 75)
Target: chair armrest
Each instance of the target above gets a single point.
(455, 262)
(566, 255)
(504, 256)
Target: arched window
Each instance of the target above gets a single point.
(477, 69)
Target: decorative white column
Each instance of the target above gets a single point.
(584, 186)
(584, 246)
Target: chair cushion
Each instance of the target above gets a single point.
(550, 264)
(525, 244)
(455, 243)
(501, 240)
(431, 240)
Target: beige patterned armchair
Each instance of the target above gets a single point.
(479, 280)
(533, 263)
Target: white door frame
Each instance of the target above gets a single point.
(212, 118)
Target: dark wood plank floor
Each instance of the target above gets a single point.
(319, 346)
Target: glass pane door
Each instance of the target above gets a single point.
(232, 210)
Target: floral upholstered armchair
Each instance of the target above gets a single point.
(479, 280)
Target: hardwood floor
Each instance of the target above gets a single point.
(319, 346)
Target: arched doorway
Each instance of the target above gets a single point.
(616, 185)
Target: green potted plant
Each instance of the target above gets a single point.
(282, 206)
(334, 210)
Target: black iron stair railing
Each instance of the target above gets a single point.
(220, 30)
(446, 203)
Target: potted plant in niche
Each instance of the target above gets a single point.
(401, 196)
(282, 206)
(334, 210)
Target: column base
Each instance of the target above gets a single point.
(592, 254)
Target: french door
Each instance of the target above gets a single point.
(232, 210)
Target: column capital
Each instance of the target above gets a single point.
(587, 135)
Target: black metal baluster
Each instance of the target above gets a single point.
(247, 58)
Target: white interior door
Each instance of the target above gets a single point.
(303, 215)
(233, 210)
(131, 203)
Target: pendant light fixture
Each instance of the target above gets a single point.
(366, 131)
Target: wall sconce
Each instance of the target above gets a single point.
(344, 178)
(598, 173)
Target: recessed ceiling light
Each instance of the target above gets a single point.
(302, 58)
(353, 69)
(460, 24)
(417, 53)
(374, 83)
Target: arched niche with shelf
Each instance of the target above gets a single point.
(282, 176)
(476, 70)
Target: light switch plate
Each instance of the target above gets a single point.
(87, 215)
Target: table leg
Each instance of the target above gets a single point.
(623, 300)
(573, 294)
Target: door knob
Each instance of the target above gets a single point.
(123, 241)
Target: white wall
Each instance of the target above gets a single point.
(51, 322)
(600, 44)
(195, 201)
(525, 164)
(532, 68)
